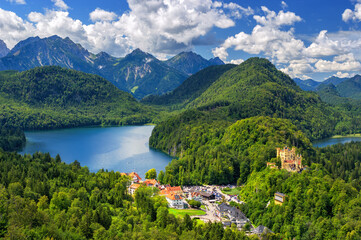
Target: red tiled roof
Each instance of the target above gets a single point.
(150, 182)
(174, 197)
(135, 185)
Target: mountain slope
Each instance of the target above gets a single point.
(140, 73)
(350, 88)
(3, 49)
(190, 62)
(36, 52)
(191, 88)
(254, 88)
(52, 97)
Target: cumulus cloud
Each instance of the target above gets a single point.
(354, 15)
(102, 15)
(284, 5)
(236, 61)
(60, 4)
(345, 62)
(161, 27)
(17, 1)
(343, 75)
(236, 10)
(266, 37)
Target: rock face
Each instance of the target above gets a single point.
(190, 62)
(3, 49)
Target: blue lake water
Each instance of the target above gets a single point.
(331, 141)
(123, 149)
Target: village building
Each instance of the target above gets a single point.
(175, 190)
(151, 183)
(231, 215)
(272, 165)
(133, 188)
(280, 198)
(207, 196)
(175, 201)
(261, 230)
(196, 196)
(134, 177)
(290, 161)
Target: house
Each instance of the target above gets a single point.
(175, 190)
(196, 196)
(151, 183)
(175, 201)
(207, 196)
(272, 165)
(133, 188)
(231, 215)
(290, 161)
(134, 177)
(260, 230)
(279, 198)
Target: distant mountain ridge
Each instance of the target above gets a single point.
(3, 49)
(138, 73)
(190, 62)
(312, 85)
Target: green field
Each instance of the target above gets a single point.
(183, 212)
(233, 191)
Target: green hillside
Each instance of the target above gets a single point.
(53, 97)
(191, 88)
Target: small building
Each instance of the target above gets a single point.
(175, 201)
(231, 215)
(134, 177)
(207, 196)
(151, 183)
(279, 198)
(133, 188)
(175, 190)
(272, 165)
(196, 196)
(261, 230)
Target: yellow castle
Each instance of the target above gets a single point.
(290, 161)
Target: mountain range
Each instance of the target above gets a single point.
(312, 85)
(139, 73)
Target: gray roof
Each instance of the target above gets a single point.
(281, 194)
(261, 229)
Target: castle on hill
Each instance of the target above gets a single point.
(290, 161)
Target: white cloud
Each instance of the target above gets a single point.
(161, 27)
(60, 4)
(266, 37)
(17, 1)
(236, 61)
(238, 11)
(338, 64)
(355, 15)
(343, 75)
(102, 15)
(284, 5)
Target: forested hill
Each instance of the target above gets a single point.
(191, 88)
(50, 97)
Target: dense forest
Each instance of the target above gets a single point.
(55, 97)
(44, 198)
(216, 154)
(12, 139)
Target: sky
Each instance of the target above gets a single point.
(304, 38)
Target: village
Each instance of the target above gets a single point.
(216, 205)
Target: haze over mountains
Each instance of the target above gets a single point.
(139, 73)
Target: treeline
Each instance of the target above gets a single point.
(55, 97)
(217, 153)
(11, 139)
(44, 198)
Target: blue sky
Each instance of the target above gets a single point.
(307, 39)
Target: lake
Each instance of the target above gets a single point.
(331, 141)
(123, 149)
